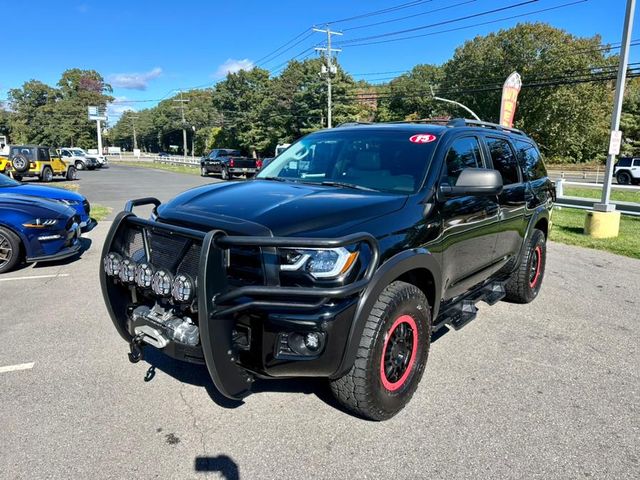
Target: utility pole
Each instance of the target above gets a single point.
(604, 221)
(329, 68)
(184, 123)
(133, 119)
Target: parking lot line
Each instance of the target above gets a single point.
(14, 368)
(34, 277)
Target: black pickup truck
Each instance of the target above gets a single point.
(229, 163)
(339, 260)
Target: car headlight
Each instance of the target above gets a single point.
(320, 262)
(127, 271)
(144, 275)
(71, 203)
(183, 288)
(112, 264)
(41, 223)
(161, 283)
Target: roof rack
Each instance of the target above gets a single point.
(466, 122)
(352, 124)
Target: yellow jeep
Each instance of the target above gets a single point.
(35, 161)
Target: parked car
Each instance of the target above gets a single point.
(164, 154)
(36, 230)
(229, 163)
(340, 260)
(78, 158)
(70, 199)
(627, 170)
(101, 160)
(35, 161)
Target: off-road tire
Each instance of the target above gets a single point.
(624, 178)
(46, 175)
(525, 283)
(20, 163)
(72, 173)
(79, 165)
(9, 240)
(224, 174)
(365, 389)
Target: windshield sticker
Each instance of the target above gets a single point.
(422, 138)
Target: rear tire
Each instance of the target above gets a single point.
(72, 173)
(224, 174)
(203, 172)
(9, 250)
(624, 178)
(524, 284)
(46, 175)
(79, 165)
(391, 356)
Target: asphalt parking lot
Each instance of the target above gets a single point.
(546, 390)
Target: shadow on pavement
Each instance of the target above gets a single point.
(85, 245)
(222, 463)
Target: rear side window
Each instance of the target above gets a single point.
(624, 162)
(463, 153)
(636, 162)
(43, 154)
(503, 160)
(531, 161)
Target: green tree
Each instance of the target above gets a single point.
(630, 121)
(569, 121)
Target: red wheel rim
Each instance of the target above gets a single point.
(536, 263)
(398, 352)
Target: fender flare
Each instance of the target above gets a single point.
(403, 262)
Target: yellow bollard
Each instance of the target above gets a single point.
(602, 224)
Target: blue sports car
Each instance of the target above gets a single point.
(71, 199)
(36, 230)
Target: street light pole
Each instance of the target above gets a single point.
(605, 206)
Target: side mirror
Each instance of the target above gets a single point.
(475, 181)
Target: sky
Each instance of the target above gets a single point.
(148, 50)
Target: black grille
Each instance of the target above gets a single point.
(245, 266)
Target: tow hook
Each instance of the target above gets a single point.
(136, 353)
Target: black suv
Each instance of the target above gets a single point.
(340, 260)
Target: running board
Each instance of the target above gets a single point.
(462, 312)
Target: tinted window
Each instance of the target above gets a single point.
(464, 153)
(380, 160)
(43, 154)
(636, 162)
(531, 161)
(503, 160)
(624, 162)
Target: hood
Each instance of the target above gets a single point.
(36, 207)
(284, 208)
(50, 193)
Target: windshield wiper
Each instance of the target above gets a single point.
(275, 179)
(331, 183)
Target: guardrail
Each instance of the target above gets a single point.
(626, 208)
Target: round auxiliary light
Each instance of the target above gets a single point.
(144, 275)
(127, 271)
(161, 283)
(112, 264)
(183, 288)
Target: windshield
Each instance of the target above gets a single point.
(7, 182)
(78, 152)
(385, 161)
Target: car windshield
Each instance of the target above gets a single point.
(7, 182)
(386, 161)
(78, 152)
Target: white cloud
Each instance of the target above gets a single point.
(118, 107)
(134, 81)
(232, 66)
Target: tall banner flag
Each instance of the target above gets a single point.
(510, 91)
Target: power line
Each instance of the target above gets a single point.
(286, 50)
(306, 30)
(378, 12)
(409, 16)
(489, 22)
(437, 24)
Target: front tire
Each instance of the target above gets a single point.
(391, 356)
(624, 178)
(9, 250)
(79, 165)
(72, 174)
(525, 283)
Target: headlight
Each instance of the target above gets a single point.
(71, 202)
(320, 263)
(144, 275)
(161, 283)
(112, 264)
(183, 288)
(41, 223)
(127, 271)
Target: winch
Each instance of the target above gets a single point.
(158, 326)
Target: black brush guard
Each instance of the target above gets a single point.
(217, 301)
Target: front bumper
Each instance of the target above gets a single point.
(269, 312)
(88, 225)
